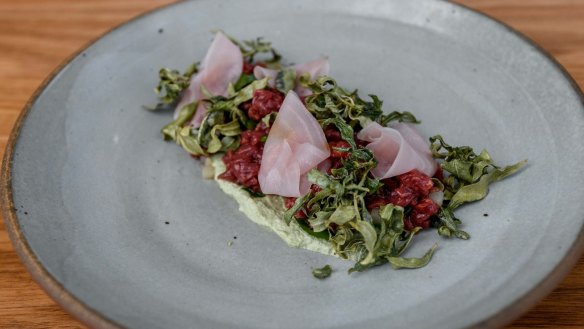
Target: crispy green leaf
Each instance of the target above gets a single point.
(438, 184)
(214, 145)
(319, 196)
(211, 119)
(481, 163)
(449, 224)
(462, 169)
(220, 128)
(469, 180)
(189, 142)
(321, 179)
(444, 231)
(346, 131)
(328, 100)
(342, 235)
(285, 80)
(319, 223)
(405, 116)
(171, 130)
(322, 273)
(172, 83)
(470, 168)
(372, 110)
(359, 267)
(246, 93)
(405, 244)
(289, 214)
(268, 120)
(391, 232)
(373, 185)
(441, 150)
(369, 237)
(230, 129)
(244, 80)
(479, 190)
(401, 262)
(342, 215)
(251, 48)
(324, 235)
(230, 143)
(393, 216)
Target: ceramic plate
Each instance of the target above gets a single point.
(120, 228)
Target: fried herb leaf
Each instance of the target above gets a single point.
(322, 273)
(470, 174)
(230, 129)
(180, 132)
(254, 47)
(342, 215)
(189, 142)
(246, 93)
(479, 190)
(171, 130)
(289, 214)
(286, 80)
(221, 126)
(401, 262)
(345, 130)
(243, 81)
(448, 225)
(469, 180)
(372, 110)
(358, 267)
(319, 221)
(324, 235)
(330, 101)
(406, 116)
(369, 236)
(172, 83)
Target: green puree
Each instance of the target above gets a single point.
(269, 212)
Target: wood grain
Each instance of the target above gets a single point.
(36, 36)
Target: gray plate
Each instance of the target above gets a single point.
(88, 183)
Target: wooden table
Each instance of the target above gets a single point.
(35, 36)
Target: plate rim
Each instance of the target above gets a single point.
(94, 319)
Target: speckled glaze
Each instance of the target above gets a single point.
(120, 228)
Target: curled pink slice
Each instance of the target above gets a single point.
(295, 145)
(315, 68)
(222, 65)
(262, 72)
(398, 150)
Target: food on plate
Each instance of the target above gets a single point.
(322, 167)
